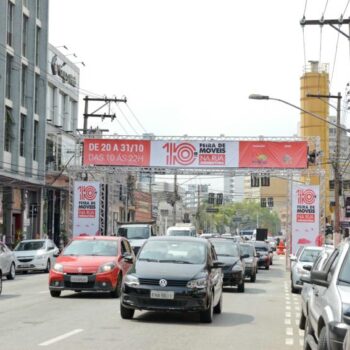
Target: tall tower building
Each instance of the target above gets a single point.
(315, 80)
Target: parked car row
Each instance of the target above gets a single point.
(325, 295)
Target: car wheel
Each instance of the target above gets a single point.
(271, 262)
(253, 277)
(126, 314)
(12, 273)
(302, 321)
(48, 266)
(117, 291)
(240, 288)
(322, 340)
(218, 306)
(267, 267)
(292, 288)
(206, 316)
(55, 293)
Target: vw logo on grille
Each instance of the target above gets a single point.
(163, 283)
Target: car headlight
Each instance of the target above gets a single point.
(106, 267)
(58, 267)
(237, 267)
(248, 261)
(40, 257)
(131, 280)
(198, 283)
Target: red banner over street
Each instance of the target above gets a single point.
(273, 154)
(196, 154)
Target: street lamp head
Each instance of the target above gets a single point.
(258, 97)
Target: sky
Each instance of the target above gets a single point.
(188, 66)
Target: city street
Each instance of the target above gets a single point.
(265, 316)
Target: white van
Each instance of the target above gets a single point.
(182, 230)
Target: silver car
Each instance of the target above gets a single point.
(307, 287)
(306, 258)
(35, 255)
(7, 264)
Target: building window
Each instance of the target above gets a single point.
(24, 87)
(50, 103)
(270, 202)
(9, 61)
(36, 100)
(263, 202)
(36, 135)
(10, 10)
(73, 107)
(254, 180)
(24, 36)
(265, 180)
(22, 135)
(37, 43)
(8, 130)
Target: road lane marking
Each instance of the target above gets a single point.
(301, 342)
(61, 337)
(288, 314)
(287, 307)
(43, 292)
(301, 333)
(287, 321)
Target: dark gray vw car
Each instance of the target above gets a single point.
(174, 274)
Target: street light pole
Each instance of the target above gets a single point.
(336, 165)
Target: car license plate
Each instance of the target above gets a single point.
(24, 265)
(156, 294)
(79, 279)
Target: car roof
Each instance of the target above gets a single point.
(178, 238)
(36, 240)
(313, 248)
(222, 239)
(97, 238)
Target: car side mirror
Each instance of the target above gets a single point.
(56, 254)
(319, 278)
(128, 258)
(293, 258)
(217, 264)
(307, 267)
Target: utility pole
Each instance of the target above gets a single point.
(175, 199)
(107, 101)
(337, 181)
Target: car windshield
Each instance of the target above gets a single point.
(226, 248)
(31, 245)
(178, 232)
(92, 248)
(134, 232)
(344, 275)
(247, 249)
(173, 252)
(309, 255)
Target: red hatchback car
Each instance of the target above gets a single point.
(92, 263)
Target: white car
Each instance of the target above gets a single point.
(307, 258)
(7, 264)
(35, 255)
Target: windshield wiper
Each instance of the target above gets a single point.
(225, 255)
(175, 261)
(137, 237)
(149, 260)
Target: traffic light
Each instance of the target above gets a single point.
(311, 158)
(219, 199)
(211, 198)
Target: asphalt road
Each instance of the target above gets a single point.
(264, 317)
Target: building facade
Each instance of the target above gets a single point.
(23, 84)
(61, 141)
